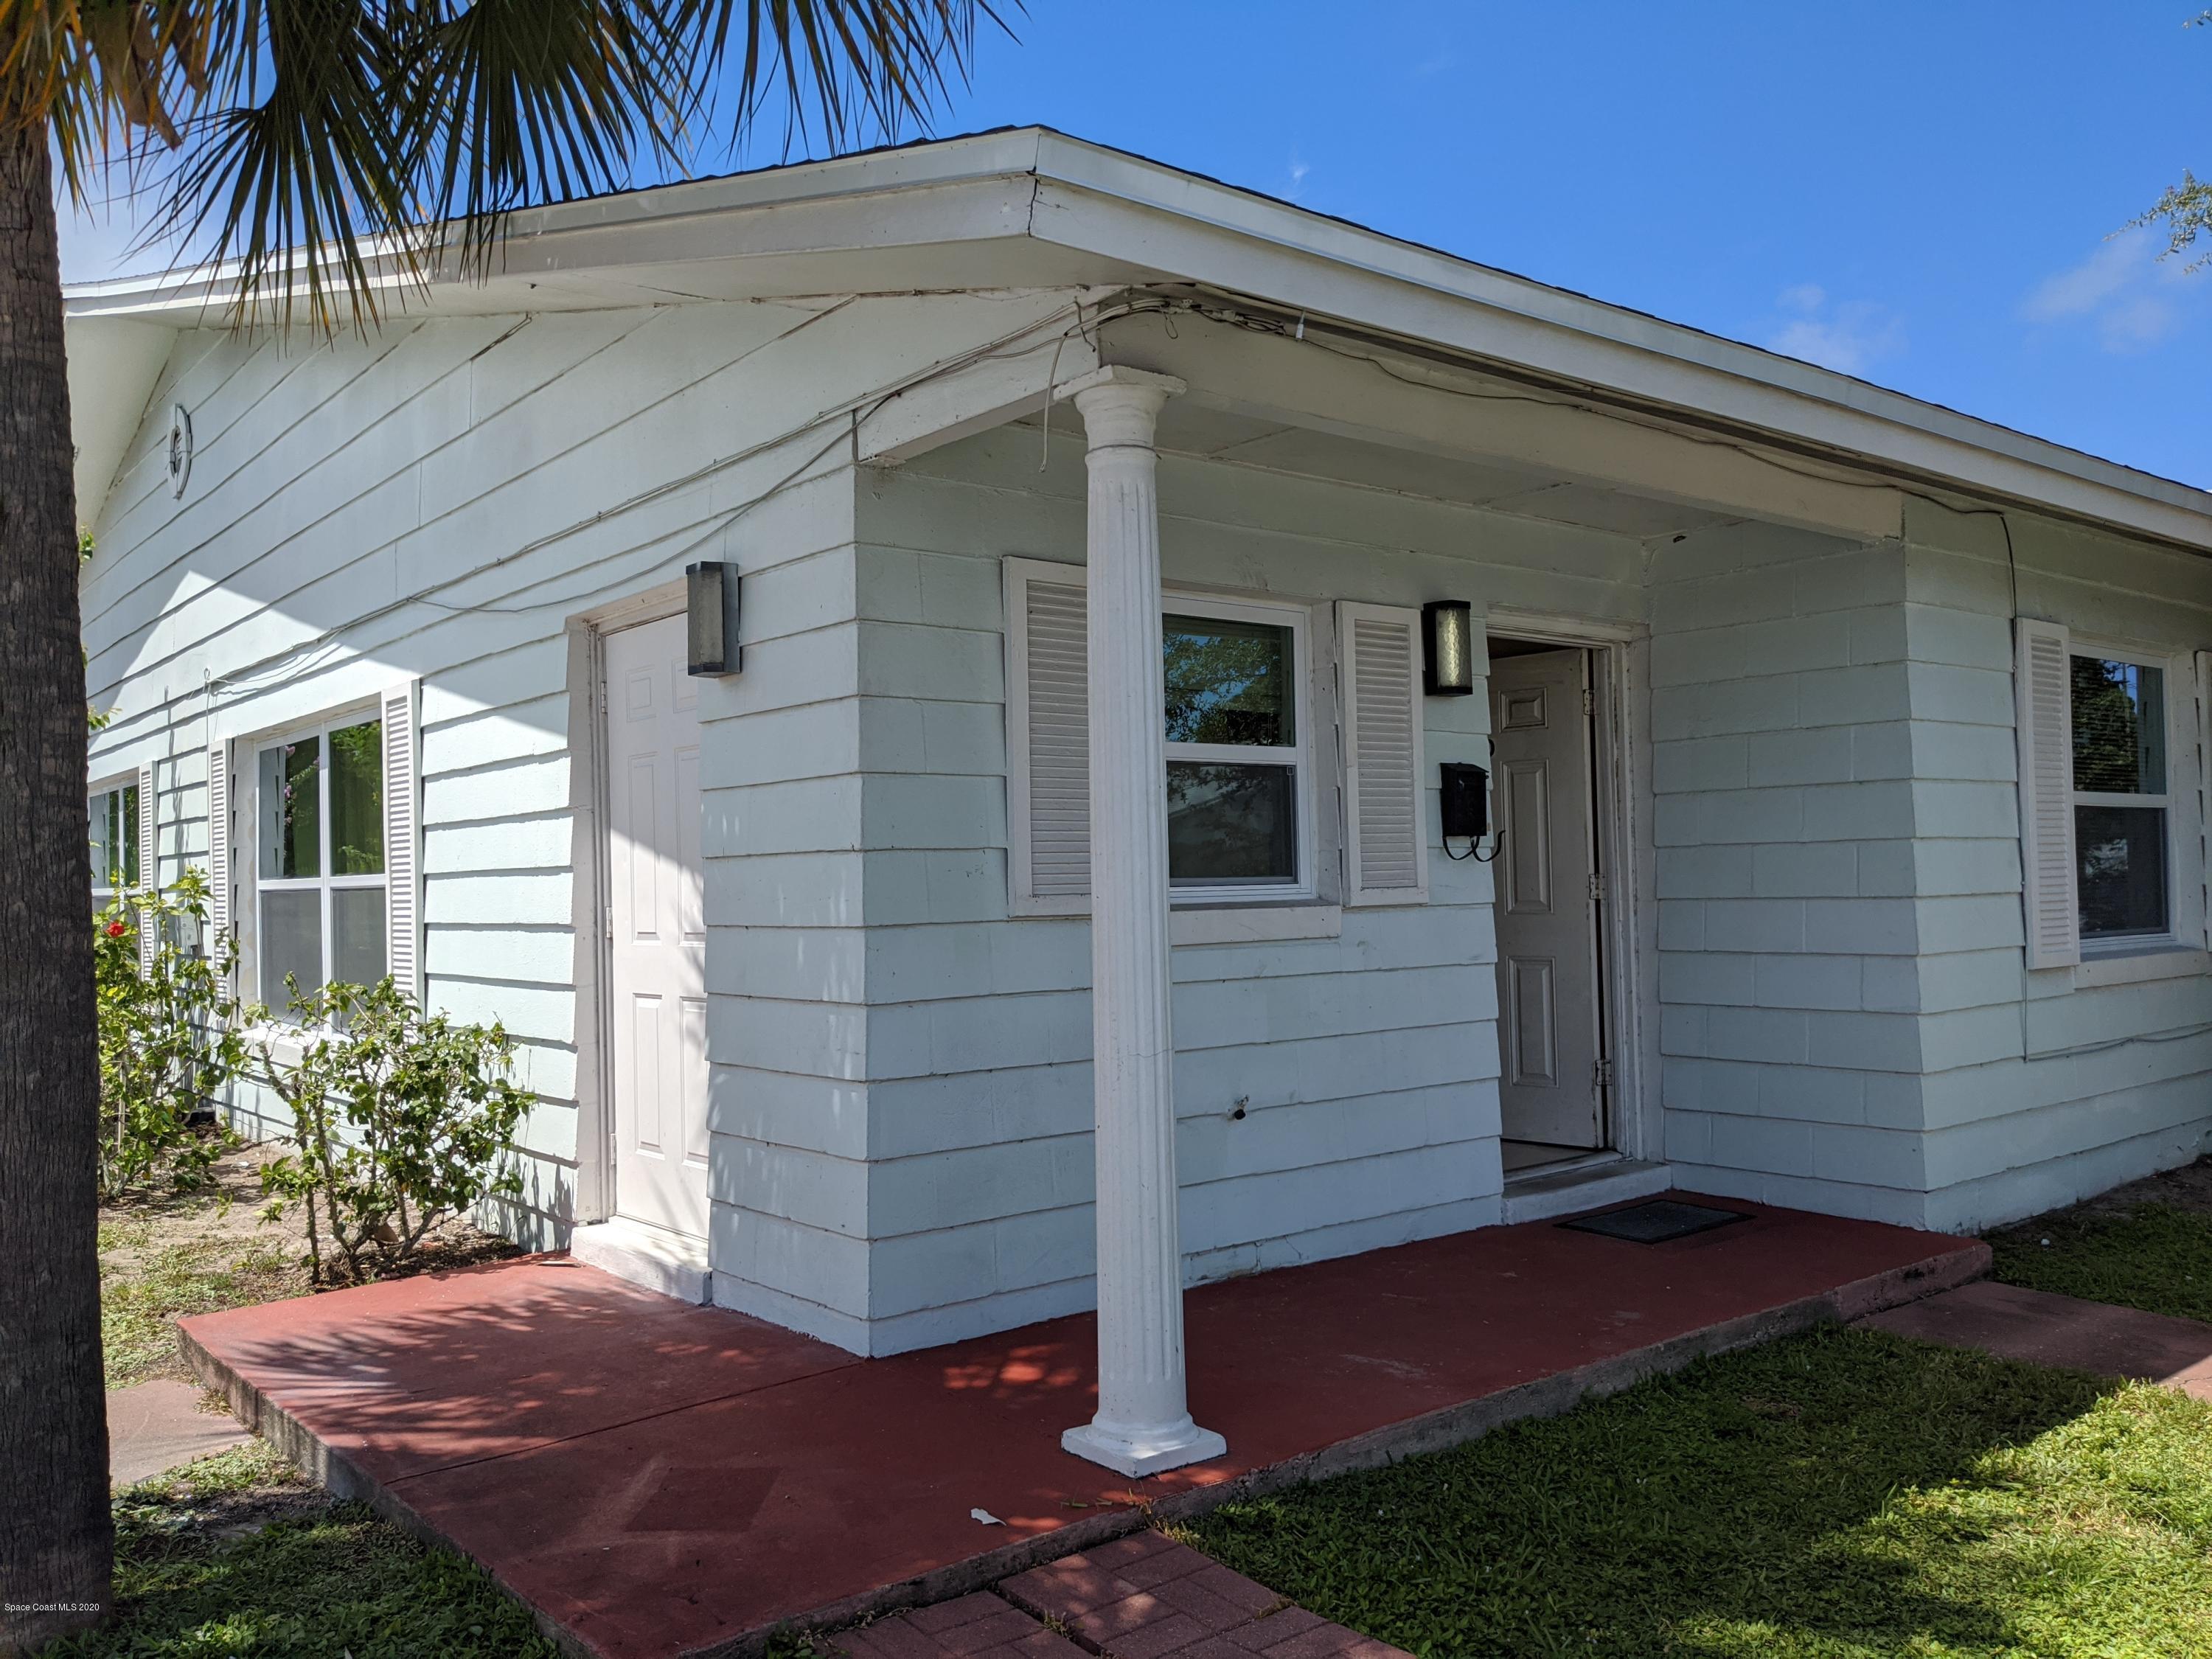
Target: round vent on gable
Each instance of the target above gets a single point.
(181, 448)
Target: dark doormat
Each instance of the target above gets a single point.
(1654, 1223)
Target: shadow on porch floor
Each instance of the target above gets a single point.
(660, 1479)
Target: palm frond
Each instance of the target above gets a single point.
(334, 152)
(511, 102)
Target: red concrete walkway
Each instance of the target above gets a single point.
(1140, 1597)
(2015, 1323)
(661, 1480)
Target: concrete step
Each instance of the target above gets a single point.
(647, 1257)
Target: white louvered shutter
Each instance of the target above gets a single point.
(1048, 736)
(219, 892)
(2043, 692)
(1386, 839)
(149, 869)
(2205, 785)
(402, 911)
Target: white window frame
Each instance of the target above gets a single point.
(1298, 756)
(251, 752)
(2185, 926)
(119, 786)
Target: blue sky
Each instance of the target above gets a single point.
(1919, 193)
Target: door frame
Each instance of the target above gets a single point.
(591, 901)
(1627, 916)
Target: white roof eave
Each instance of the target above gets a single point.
(1027, 206)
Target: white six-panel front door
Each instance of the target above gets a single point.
(658, 967)
(1548, 1087)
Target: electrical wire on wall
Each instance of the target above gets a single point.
(846, 421)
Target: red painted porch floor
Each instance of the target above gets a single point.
(660, 1479)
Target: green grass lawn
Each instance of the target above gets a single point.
(2150, 1255)
(1840, 1495)
(234, 1556)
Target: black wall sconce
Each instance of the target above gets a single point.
(710, 591)
(1448, 648)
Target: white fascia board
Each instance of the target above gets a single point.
(975, 211)
(1098, 200)
(964, 191)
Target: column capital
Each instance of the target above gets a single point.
(1120, 405)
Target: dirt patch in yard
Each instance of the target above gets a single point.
(2146, 1245)
(2189, 1187)
(163, 1255)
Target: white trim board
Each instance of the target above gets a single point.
(1037, 208)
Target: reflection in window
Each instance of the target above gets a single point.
(1231, 826)
(2120, 804)
(358, 799)
(114, 816)
(2119, 731)
(1231, 704)
(320, 828)
(292, 810)
(2120, 854)
(1228, 682)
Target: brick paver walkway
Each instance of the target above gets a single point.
(1144, 1596)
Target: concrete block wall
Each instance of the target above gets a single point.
(1786, 867)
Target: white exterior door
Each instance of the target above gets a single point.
(658, 966)
(1549, 1088)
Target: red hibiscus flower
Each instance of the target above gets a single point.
(116, 930)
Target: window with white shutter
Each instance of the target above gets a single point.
(2111, 796)
(1237, 677)
(323, 858)
(1386, 843)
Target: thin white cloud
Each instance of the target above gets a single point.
(1848, 337)
(1297, 170)
(2080, 290)
(2122, 291)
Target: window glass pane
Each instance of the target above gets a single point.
(1231, 824)
(2121, 852)
(103, 839)
(356, 934)
(2119, 728)
(291, 810)
(358, 801)
(1228, 682)
(126, 834)
(291, 942)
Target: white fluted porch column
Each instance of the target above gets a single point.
(1143, 1422)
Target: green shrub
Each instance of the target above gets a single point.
(168, 1038)
(399, 1117)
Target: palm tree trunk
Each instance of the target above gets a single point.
(56, 1537)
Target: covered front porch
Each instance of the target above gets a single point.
(655, 1478)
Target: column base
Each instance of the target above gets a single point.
(1147, 1452)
